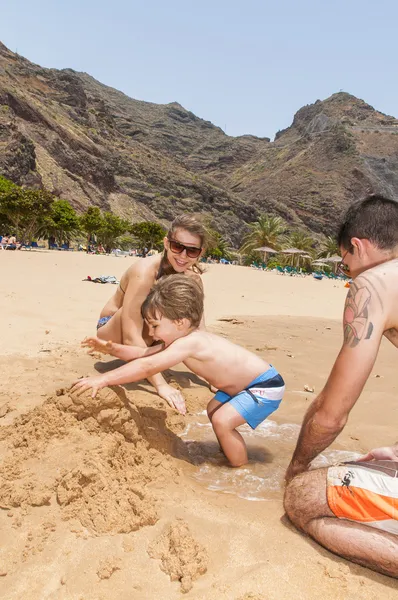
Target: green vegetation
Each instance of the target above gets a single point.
(61, 223)
(148, 235)
(329, 247)
(31, 213)
(91, 221)
(266, 231)
(24, 210)
(111, 229)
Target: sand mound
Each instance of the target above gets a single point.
(93, 458)
(182, 558)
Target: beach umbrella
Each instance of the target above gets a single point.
(334, 260)
(320, 263)
(293, 251)
(296, 252)
(266, 250)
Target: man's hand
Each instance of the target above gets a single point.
(95, 383)
(97, 345)
(293, 470)
(173, 397)
(384, 453)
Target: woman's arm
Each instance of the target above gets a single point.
(126, 353)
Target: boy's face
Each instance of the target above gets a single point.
(163, 329)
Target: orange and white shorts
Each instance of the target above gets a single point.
(365, 492)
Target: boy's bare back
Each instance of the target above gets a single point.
(222, 363)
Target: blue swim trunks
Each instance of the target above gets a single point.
(103, 321)
(261, 397)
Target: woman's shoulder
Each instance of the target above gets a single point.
(143, 268)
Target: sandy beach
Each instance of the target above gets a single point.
(122, 498)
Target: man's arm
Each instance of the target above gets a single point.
(326, 417)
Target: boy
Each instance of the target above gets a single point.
(249, 388)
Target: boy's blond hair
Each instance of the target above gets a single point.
(175, 297)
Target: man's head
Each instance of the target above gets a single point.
(173, 308)
(368, 234)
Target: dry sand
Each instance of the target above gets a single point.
(122, 498)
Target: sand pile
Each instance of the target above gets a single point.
(92, 458)
(182, 558)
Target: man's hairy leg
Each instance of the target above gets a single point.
(307, 507)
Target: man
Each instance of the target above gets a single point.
(320, 502)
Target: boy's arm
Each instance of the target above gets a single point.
(326, 417)
(142, 368)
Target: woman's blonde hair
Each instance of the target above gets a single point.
(193, 225)
(175, 297)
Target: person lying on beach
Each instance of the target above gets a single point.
(249, 388)
(352, 509)
(120, 319)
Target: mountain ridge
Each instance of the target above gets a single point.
(94, 145)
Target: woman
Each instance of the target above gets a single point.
(120, 319)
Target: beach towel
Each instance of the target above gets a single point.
(103, 279)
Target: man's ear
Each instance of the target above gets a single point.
(362, 245)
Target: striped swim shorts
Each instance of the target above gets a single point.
(365, 492)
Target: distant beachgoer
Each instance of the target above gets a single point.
(352, 509)
(249, 388)
(120, 319)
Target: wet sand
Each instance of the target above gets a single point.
(123, 498)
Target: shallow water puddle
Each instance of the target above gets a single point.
(270, 447)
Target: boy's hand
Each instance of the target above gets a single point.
(97, 345)
(96, 383)
(173, 397)
(385, 453)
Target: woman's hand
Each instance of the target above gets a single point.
(97, 345)
(95, 383)
(173, 397)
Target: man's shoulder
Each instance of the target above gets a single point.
(388, 268)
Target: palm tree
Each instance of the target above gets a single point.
(266, 231)
(218, 246)
(329, 247)
(300, 241)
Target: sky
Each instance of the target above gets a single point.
(246, 66)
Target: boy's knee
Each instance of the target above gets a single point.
(219, 424)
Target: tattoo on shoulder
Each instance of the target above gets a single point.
(357, 324)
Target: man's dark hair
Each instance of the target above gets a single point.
(374, 218)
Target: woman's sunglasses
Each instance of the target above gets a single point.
(178, 248)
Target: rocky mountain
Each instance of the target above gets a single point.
(93, 145)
